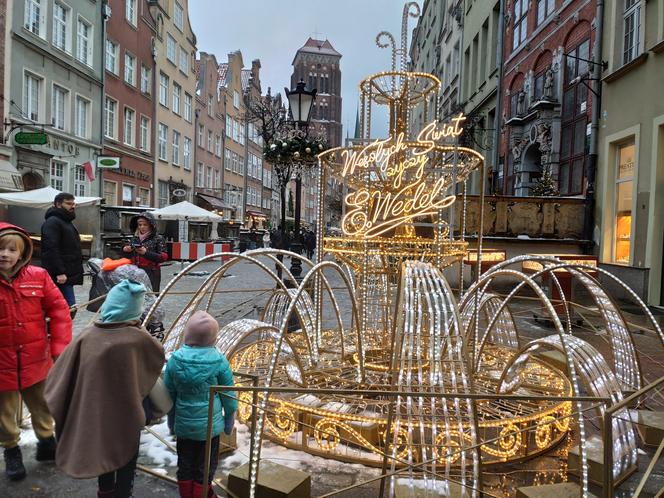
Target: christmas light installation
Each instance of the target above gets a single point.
(405, 330)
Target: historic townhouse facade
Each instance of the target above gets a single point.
(547, 104)
(10, 179)
(53, 83)
(175, 82)
(230, 91)
(629, 213)
(480, 83)
(258, 178)
(129, 105)
(436, 48)
(210, 140)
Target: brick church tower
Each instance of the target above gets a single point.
(317, 63)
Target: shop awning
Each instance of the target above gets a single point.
(10, 178)
(42, 198)
(257, 214)
(215, 202)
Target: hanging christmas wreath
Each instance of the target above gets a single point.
(294, 149)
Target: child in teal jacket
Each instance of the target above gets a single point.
(190, 372)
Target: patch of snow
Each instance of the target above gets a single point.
(154, 450)
(28, 437)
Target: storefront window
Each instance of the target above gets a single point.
(110, 193)
(624, 185)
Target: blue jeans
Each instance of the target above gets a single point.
(68, 293)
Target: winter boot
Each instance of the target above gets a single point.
(198, 490)
(46, 450)
(186, 489)
(14, 469)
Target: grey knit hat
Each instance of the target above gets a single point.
(201, 330)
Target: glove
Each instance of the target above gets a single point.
(229, 423)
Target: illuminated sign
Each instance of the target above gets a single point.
(373, 211)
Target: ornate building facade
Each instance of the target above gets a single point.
(546, 101)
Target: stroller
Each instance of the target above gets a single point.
(103, 281)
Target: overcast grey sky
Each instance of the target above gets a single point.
(273, 30)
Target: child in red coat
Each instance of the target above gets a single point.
(27, 347)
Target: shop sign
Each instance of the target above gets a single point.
(105, 162)
(30, 138)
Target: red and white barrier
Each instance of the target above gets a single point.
(191, 251)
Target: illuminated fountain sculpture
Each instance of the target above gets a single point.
(405, 331)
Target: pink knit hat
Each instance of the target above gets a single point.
(201, 330)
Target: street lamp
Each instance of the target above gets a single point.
(300, 103)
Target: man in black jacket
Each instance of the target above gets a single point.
(61, 246)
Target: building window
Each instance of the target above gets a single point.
(84, 42)
(632, 30)
(538, 90)
(187, 106)
(178, 17)
(201, 131)
(171, 50)
(177, 92)
(227, 159)
(129, 120)
(145, 134)
(82, 117)
(217, 145)
(217, 179)
(163, 194)
(145, 79)
(184, 61)
(31, 96)
(130, 69)
(520, 23)
(199, 174)
(34, 17)
(143, 197)
(112, 57)
(163, 89)
(110, 112)
(110, 193)
(236, 99)
(59, 104)
(210, 142)
(163, 137)
(187, 153)
(176, 148)
(229, 126)
(61, 26)
(209, 105)
(624, 187)
(58, 170)
(80, 182)
(209, 177)
(127, 194)
(130, 11)
(571, 170)
(544, 9)
(236, 131)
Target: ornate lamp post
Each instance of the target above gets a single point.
(300, 103)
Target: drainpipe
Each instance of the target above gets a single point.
(105, 15)
(589, 208)
(497, 122)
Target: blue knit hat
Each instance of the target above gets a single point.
(123, 303)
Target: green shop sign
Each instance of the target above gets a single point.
(30, 138)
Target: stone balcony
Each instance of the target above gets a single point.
(546, 219)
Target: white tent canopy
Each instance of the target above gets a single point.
(41, 198)
(186, 211)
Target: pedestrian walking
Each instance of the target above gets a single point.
(61, 252)
(146, 247)
(310, 243)
(190, 372)
(27, 347)
(96, 390)
(266, 239)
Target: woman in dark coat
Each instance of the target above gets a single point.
(147, 247)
